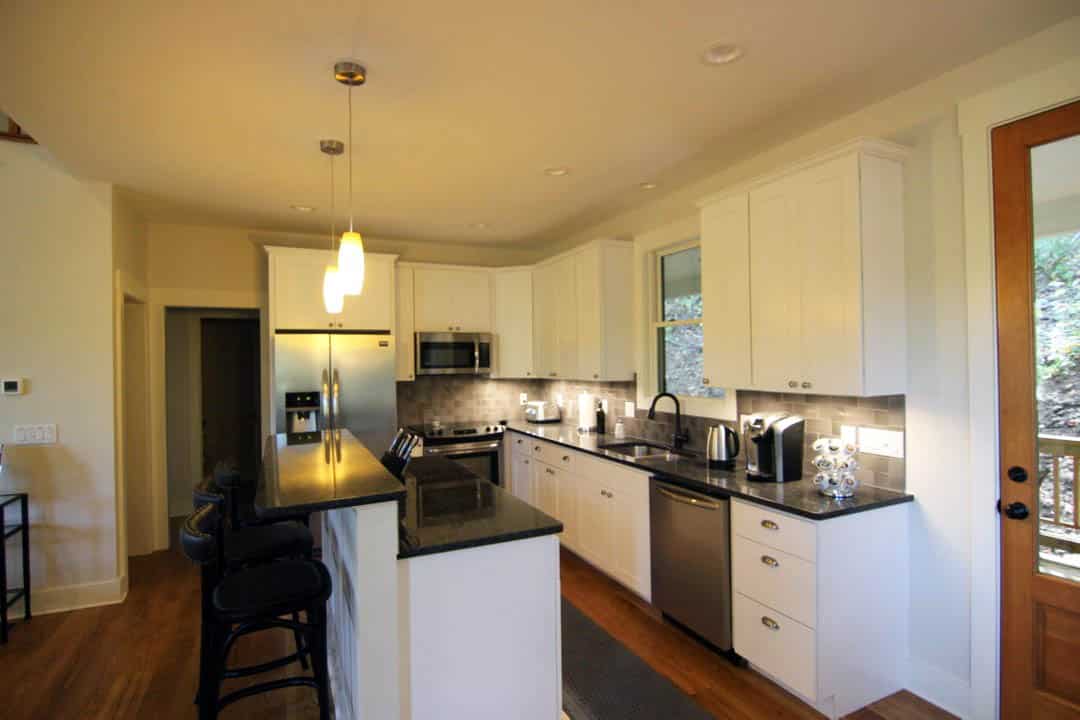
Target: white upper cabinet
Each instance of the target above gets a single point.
(452, 299)
(295, 290)
(725, 253)
(819, 257)
(582, 314)
(406, 347)
(514, 323)
(605, 311)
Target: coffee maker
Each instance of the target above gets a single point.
(774, 447)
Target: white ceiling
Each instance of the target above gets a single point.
(211, 111)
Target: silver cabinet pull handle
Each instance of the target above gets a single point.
(792, 383)
(769, 623)
(704, 381)
(566, 458)
(808, 385)
(770, 561)
(688, 500)
(769, 525)
(549, 471)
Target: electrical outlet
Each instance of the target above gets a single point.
(629, 409)
(523, 398)
(35, 434)
(876, 441)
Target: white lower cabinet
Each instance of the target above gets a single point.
(603, 506)
(821, 606)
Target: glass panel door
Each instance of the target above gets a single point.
(1055, 195)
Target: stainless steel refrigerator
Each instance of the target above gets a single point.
(354, 376)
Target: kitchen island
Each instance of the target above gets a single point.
(446, 588)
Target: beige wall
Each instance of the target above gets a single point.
(211, 258)
(57, 330)
(129, 233)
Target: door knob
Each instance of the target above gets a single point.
(1016, 511)
(1017, 474)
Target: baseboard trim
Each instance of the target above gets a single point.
(78, 597)
(941, 688)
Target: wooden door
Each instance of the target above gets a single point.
(1036, 184)
(631, 557)
(594, 522)
(590, 319)
(373, 309)
(453, 299)
(566, 507)
(521, 477)
(566, 322)
(775, 288)
(544, 312)
(405, 361)
(230, 394)
(725, 291)
(298, 300)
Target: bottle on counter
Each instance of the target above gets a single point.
(601, 418)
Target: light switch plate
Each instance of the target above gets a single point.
(35, 434)
(523, 398)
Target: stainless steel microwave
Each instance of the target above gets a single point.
(453, 353)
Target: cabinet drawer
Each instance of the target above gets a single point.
(775, 529)
(554, 455)
(775, 578)
(520, 445)
(777, 644)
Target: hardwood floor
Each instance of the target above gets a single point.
(140, 659)
(718, 686)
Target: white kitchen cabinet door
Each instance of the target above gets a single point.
(406, 341)
(566, 507)
(545, 488)
(595, 522)
(545, 348)
(630, 547)
(827, 208)
(590, 317)
(453, 299)
(296, 302)
(566, 321)
(776, 287)
(296, 290)
(373, 309)
(521, 477)
(514, 323)
(725, 291)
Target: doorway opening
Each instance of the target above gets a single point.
(135, 429)
(212, 397)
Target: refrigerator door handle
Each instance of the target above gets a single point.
(324, 401)
(335, 395)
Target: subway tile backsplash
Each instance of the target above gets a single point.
(465, 398)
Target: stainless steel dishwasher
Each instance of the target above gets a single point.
(691, 560)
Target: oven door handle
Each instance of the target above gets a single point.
(476, 357)
(455, 449)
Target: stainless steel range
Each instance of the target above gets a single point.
(475, 445)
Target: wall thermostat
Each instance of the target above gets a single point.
(14, 386)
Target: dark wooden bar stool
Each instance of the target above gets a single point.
(250, 599)
(10, 596)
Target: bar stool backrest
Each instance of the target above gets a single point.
(199, 535)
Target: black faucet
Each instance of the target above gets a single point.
(680, 437)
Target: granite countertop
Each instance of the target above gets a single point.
(448, 507)
(309, 472)
(691, 472)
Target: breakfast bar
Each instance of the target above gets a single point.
(445, 586)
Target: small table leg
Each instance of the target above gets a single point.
(24, 501)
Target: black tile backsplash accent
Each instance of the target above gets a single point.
(470, 398)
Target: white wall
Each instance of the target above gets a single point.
(952, 628)
(57, 331)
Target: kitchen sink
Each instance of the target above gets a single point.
(638, 450)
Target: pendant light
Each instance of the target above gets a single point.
(351, 249)
(332, 291)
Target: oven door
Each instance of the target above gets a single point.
(453, 353)
(482, 458)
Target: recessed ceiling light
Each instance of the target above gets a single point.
(557, 171)
(721, 54)
(647, 186)
(302, 208)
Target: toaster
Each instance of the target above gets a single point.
(542, 411)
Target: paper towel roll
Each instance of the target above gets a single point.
(586, 412)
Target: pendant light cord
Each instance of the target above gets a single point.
(350, 160)
(333, 230)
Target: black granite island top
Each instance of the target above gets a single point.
(448, 507)
(309, 472)
(691, 472)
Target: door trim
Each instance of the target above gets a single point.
(977, 116)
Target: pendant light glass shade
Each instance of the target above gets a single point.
(332, 294)
(351, 263)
